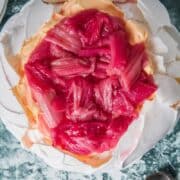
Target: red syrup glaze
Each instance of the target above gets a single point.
(88, 82)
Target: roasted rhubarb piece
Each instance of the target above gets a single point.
(131, 72)
(88, 82)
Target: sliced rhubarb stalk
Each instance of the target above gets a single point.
(121, 105)
(37, 79)
(71, 66)
(100, 70)
(64, 39)
(141, 91)
(131, 73)
(51, 115)
(119, 53)
(103, 94)
(91, 52)
(79, 99)
(57, 52)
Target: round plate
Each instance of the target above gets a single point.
(3, 5)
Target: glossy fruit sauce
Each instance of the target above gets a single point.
(88, 82)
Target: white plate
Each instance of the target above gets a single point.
(3, 5)
(142, 133)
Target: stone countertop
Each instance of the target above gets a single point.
(18, 164)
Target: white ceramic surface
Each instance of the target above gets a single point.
(3, 5)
